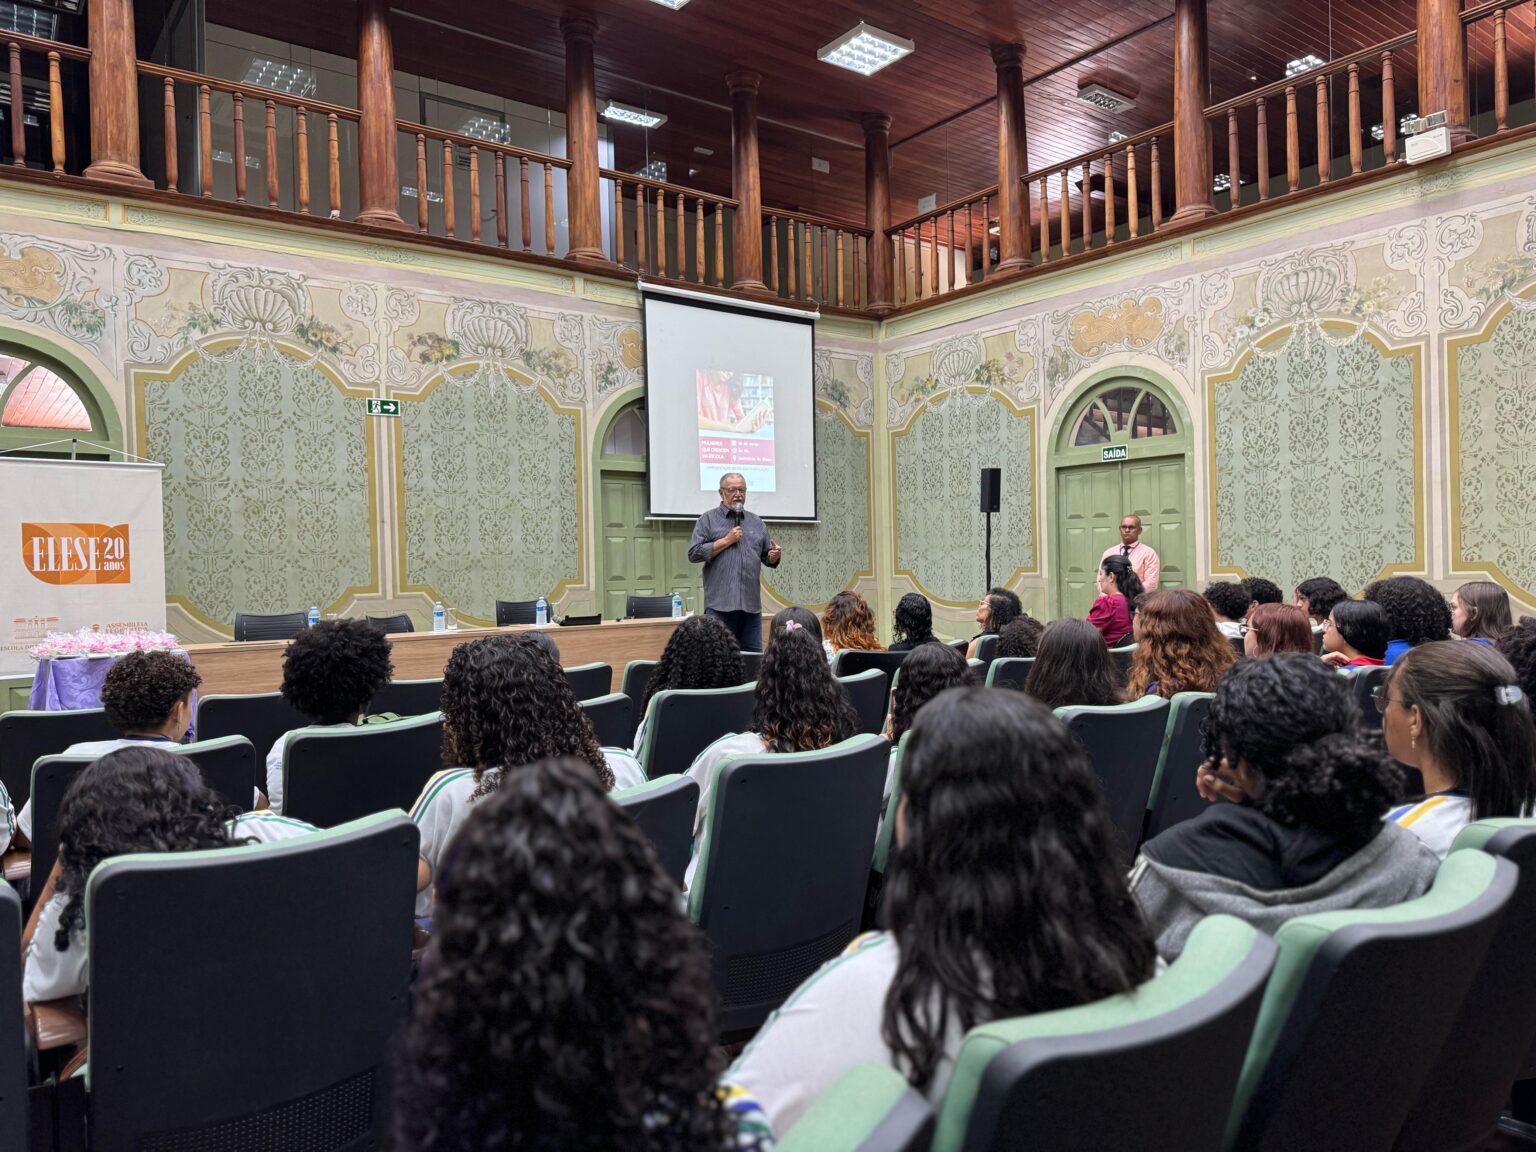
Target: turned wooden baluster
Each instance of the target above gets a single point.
(618, 222)
(1388, 111)
(18, 118)
(205, 139)
(773, 255)
(860, 295)
(1500, 72)
(501, 209)
(1087, 206)
(56, 114)
(239, 157)
(917, 260)
(333, 164)
(1132, 194)
(901, 263)
(1157, 189)
(1354, 120)
(423, 205)
(1292, 142)
(792, 264)
(719, 245)
(933, 260)
(1066, 215)
(549, 210)
(949, 259)
(662, 254)
(448, 213)
(1263, 150)
(698, 240)
(640, 206)
(681, 225)
(172, 173)
(842, 268)
(271, 154)
(825, 293)
(1324, 136)
(474, 193)
(1234, 175)
(301, 127)
(1045, 219)
(526, 209)
(970, 225)
(1109, 198)
(807, 281)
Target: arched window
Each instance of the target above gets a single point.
(1122, 412)
(36, 393)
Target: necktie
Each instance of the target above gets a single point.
(1125, 550)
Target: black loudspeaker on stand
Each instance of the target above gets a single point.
(991, 501)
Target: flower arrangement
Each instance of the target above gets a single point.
(90, 642)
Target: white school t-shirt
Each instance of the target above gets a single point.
(7, 820)
(438, 812)
(51, 974)
(1436, 819)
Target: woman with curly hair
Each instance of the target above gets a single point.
(1020, 638)
(1230, 601)
(1003, 899)
(136, 799)
(1416, 612)
(565, 1001)
(1178, 646)
(1317, 597)
(1072, 666)
(1518, 646)
(506, 703)
(1119, 589)
(1276, 628)
(999, 608)
(701, 653)
(798, 706)
(847, 622)
(1480, 611)
(911, 623)
(1303, 831)
(330, 673)
(1458, 713)
(1263, 591)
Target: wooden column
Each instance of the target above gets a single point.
(114, 96)
(378, 176)
(1191, 133)
(1442, 65)
(582, 182)
(746, 183)
(877, 208)
(1012, 158)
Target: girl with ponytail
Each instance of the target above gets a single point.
(1296, 824)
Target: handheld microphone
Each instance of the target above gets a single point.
(737, 507)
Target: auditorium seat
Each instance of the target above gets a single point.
(393, 625)
(409, 697)
(1364, 681)
(1357, 1010)
(1488, 1046)
(871, 1108)
(960, 646)
(986, 648)
(1239, 645)
(51, 778)
(275, 626)
(783, 862)
(518, 612)
(647, 607)
(230, 766)
(887, 833)
(751, 666)
(869, 693)
(1123, 742)
(332, 775)
(261, 717)
(1174, 798)
(1121, 659)
(852, 661)
(1154, 1069)
(637, 675)
(682, 722)
(14, 1058)
(323, 936)
(664, 808)
(589, 681)
(613, 719)
(25, 736)
(1009, 672)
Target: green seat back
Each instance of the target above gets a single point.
(869, 1109)
(1173, 798)
(682, 722)
(1123, 742)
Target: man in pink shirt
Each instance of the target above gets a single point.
(1142, 559)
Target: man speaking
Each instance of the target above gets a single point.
(733, 544)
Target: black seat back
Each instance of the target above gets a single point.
(408, 697)
(751, 665)
(1365, 681)
(1009, 672)
(852, 661)
(613, 719)
(986, 649)
(647, 607)
(272, 626)
(1123, 742)
(229, 767)
(665, 809)
(517, 612)
(637, 675)
(683, 722)
(869, 693)
(13, 1038)
(589, 681)
(27, 736)
(393, 625)
(1174, 798)
(332, 775)
(51, 778)
(261, 717)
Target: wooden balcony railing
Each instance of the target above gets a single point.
(934, 250)
(814, 259)
(42, 63)
(638, 239)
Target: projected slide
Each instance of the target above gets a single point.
(736, 428)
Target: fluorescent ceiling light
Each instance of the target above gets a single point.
(1378, 133)
(672, 4)
(1116, 137)
(1104, 98)
(865, 50)
(28, 21)
(1221, 183)
(281, 77)
(486, 128)
(629, 114)
(1303, 64)
(655, 170)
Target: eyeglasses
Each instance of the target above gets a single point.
(1242, 630)
(740, 490)
(1328, 623)
(1380, 698)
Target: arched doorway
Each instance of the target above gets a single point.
(1122, 447)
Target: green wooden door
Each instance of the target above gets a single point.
(1126, 417)
(640, 557)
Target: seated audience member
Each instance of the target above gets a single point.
(1230, 602)
(136, 799)
(565, 1000)
(912, 623)
(1003, 899)
(847, 622)
(1263, 591)
(1119, 589)
(1518, 646)
(1072, 666)
(330, 673)
(999, 608)
(1276, 628)
(1480, 611)
(147, 696)
(505, 704)
(1303, 832)
(1317, 596)
(1416, 612)
(798, 707)
(1457, 713)
(1355, 635)
(1021, 637)
(701, 653)
(928, 671)
(1178, 646)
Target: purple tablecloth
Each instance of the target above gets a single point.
(71, 682)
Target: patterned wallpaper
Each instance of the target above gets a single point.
(822, 559)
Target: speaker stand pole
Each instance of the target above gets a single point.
(989, 550)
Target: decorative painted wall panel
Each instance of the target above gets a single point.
(267, 486)
(1316, 462)
(822, 559)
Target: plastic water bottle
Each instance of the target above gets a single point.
(314, 616)
(541, 611)
(677, 606)
(439, 618)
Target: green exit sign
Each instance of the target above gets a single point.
(383, 407)
(1113, 453)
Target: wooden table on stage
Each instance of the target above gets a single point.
(257, 665)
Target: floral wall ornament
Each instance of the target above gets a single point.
(1307, 298)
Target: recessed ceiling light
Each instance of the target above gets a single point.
(672, 4)
(703, 151)
(655, 170)
(629, 114)
(1116, 137)
(1303, 64)
(865, 50)
(486, 128)
(280, 77)
(1105, 98)
(1222, 182)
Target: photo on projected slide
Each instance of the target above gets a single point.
(736, 430)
